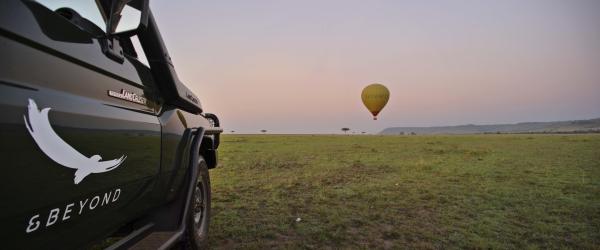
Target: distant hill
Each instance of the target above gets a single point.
(592, 125)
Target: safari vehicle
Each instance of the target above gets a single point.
(96, 146)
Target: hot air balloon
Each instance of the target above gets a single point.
(375, 96)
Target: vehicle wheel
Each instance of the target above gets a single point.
(199, 216)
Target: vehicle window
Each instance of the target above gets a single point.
(130, 19)
(139, 50)
(87, 9)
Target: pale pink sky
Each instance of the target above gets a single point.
(299, 66)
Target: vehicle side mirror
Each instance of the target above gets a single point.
(127, 17)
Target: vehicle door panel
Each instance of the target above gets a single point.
(73, 81)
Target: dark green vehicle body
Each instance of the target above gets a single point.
(47, 59)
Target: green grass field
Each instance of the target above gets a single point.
(479, 191)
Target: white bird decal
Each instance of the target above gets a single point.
(61, 152)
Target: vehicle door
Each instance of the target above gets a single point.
(79, 134)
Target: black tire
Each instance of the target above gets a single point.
(199, 216)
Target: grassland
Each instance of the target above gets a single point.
(480, 191)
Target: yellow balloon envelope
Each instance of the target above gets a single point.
(375, 97)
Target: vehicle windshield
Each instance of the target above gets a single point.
(87, 9)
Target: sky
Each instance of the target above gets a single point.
(300, 66)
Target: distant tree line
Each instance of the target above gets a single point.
(588, 131)
(345, 130)
(407, 133)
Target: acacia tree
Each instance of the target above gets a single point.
(263, 131)
(345, 130)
